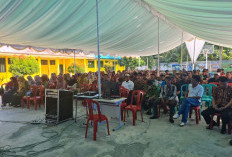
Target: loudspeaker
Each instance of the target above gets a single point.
(58, 105)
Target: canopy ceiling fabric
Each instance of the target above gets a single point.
(210, 20)
(127, 27)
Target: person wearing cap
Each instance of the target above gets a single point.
(168, 98)
(194, 99)
(221, 103)
(128, 84)
(214, 79)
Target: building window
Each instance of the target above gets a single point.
(2, 65)
(90, 64)
(101, 64)
(44, 62)
(52, 62)
(9, 61)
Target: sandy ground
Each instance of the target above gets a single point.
(151, 138)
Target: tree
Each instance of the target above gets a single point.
(23, 65)
(108, 66)
(130, 62)
(77, 69)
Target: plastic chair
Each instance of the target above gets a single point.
(207, 95)
(26, 98)
(95, 118)
(197, 110)
(218, 122)
(93, 87)
(229, 84)
(137, 107)
(36, 98)
(123, 92)
(183, 93)
(84, 87)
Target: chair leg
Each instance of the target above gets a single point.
(127, 114)
(134, 114)
(35, 103)
(124, 118)
(218, 120)
(141, 115)
(28, 104)
(190, 113)
(197, 116)
(86, 130)
(159, 110)
(95, 130)
(121, 114)
(107, 123)
(211, 122)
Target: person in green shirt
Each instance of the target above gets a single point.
(151, 96)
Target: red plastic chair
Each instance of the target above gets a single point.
(27, 98)
(123, 92)
(197, 113)
(137, 107)
(36, 98)
(229, 84)
(93, 87)
(218, 122)
(84, 87)
(95, 118)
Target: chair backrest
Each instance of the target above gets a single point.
(139, 97)
(215, 83)
(41, 90)
(184, 90)
(208, 89)
(90, 104)
(93, 87)
(84, 87)
(34, 90)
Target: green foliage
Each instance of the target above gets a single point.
(78, 69)
(24, 65)
(108, 66)
(131, 62)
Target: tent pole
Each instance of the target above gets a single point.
(194, 54)
(181, 51)
(98, 52)
(158, 69)
(74, 63)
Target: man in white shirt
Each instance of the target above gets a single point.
(194, 99)
(128, 84)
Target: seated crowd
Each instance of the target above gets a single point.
(160, 92)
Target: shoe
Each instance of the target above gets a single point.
(171, 120)
(182, 124)
(176, 116)
(154, 117)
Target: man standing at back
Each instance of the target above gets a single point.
(194, 99)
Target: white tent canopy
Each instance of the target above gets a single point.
(127, 27)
